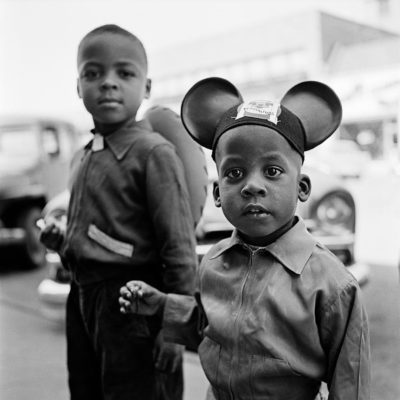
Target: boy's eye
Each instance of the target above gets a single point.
(91, 74)
(126, 74)
(234, 173)
(272, 171)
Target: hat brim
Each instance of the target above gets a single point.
(203, 106)
(318, 108)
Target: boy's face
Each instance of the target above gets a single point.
(259, 180)
(112, 78)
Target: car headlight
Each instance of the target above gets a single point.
(335, 212)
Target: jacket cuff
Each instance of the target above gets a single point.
(178, 312)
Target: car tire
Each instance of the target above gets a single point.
(33, 253)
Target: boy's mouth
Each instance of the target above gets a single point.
(256, 210)
(109, 101)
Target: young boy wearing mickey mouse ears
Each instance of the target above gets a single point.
(276, 313)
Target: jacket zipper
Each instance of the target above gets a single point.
(239, 312)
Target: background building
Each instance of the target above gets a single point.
(360, 61)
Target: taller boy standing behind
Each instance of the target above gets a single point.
(121, 225)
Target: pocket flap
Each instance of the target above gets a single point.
(114, 245)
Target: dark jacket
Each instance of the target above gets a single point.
(129, 214)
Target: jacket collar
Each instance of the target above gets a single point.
(293, 249)
(122, 139)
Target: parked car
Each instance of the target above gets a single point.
(343, 158)
(329, 213)
(34, 163)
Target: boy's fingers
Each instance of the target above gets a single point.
(130, 285)
(135, 289)
(125, 292)
(125, 306)
(124, 303)
(134, 286)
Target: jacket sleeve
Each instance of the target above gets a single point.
(184, 320)
(169, 207)
(345, 337)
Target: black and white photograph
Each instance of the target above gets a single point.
(200, 200)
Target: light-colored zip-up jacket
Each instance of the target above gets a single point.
(277, 321)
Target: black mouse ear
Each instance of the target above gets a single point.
(203, 106)
(318, 108)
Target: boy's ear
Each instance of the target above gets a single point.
(304, 187)
(78, 88)
(217, 197)
(148, 89)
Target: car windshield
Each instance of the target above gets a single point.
(18, 143)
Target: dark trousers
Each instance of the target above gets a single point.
(109, 354)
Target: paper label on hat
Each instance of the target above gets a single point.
(263, 109)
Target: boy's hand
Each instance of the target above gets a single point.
(52, 234)
(138, 297)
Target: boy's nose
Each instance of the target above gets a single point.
(253, 188)
(109, 83)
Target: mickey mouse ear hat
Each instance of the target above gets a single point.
(306, 116)
(318, 108)
(204, 105)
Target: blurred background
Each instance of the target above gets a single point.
(264, 47)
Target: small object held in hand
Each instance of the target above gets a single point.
(136, 290)
(136, 293)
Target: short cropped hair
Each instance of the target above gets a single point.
(117, 30)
